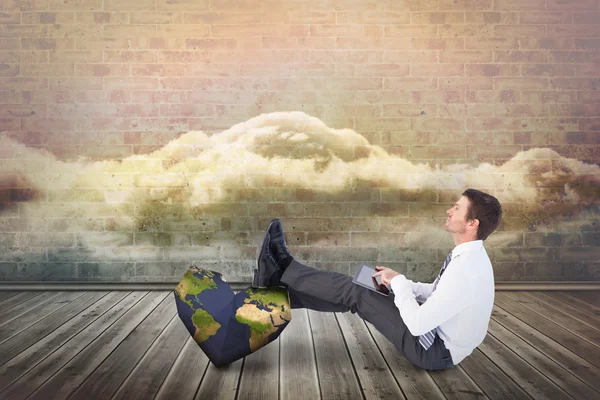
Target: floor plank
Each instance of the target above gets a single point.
(4, 295)
(298, 365)
(34, 315)
(100, 345)
(187, 372)
(145, 380)
(589, 296)
(554, 331)
(415, 383)
(376, 379)
(584, 331)
(68, 366)
(337, 378)
(586, 371)
(455, 383)
(527, 377)
(27, 360)
(27, 305)
(19, 299)
(260, 374)
(48, 326)
(220, 383)
(491, 379)
(128, 345)
(548, 367)
(567, 309)
(573, 301)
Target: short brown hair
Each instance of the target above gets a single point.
(486, 208)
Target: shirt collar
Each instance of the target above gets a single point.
(466, 246)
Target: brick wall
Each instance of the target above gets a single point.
(111, 166)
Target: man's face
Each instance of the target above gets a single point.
(456, 221)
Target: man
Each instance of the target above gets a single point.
(438, 334)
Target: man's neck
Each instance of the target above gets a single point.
(463, 239)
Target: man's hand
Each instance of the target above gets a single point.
(386, 274)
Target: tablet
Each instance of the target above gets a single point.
(364, 277)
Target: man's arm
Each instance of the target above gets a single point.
(421, 290)
(452, 294)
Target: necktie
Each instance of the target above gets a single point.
(427, 339)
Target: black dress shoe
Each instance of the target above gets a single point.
(278, 246)
(267, 272)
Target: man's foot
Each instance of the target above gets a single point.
(278, 247)
(267, 272)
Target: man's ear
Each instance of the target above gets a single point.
(474, 223)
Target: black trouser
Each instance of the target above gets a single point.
(332, 291)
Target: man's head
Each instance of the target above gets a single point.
(474, 216)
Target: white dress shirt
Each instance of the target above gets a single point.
(461, 305)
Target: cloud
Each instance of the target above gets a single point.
(289, 157)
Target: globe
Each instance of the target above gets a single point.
(225, 325)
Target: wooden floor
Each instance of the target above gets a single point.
(132, 345)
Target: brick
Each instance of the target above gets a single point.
(548, 97)
(10, 43)
(185, 5)
(466, 83)
(75, 56)
(526, 110)
(9, 124)
(497, 151)
(336, 30)
(327, 239)
(407, 83)
(586, 17)
(22, 110)
(408, 110)
(573, 57)
(519, 5)
(587, 43)
(588, 96)
(575, 83)
(41, 124)
(47, 18)
(114, 43)
(574, 30)
(501, 83)
(544, 17)
(548, 70)
(95, 96)
(157, 17)
(158, 70)
(412, 30)
(16, 30)
(102, 70)
(182, 30)
(491, 17)
(572, 5)
(517, 31)
(74, 5)
(9, 69)
(398, 124)
(375, 239)
(479, 30)
(491, 43)
(437, 44)
(492, 96)
(99, 17)
(592, 69)
(382, 70)
(47, 44)
(216, 18)
(492, 70)
(438, 70)
(435, 18)
(466, 56)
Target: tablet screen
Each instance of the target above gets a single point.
(365, 278)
